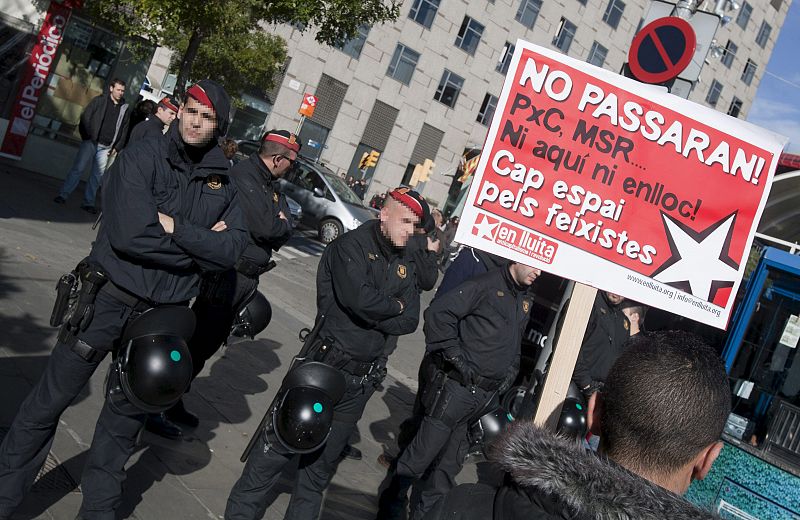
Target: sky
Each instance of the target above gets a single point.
(777, 102)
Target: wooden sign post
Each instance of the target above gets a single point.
(565, 354)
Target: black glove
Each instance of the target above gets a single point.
(511, 376)
(456, 358)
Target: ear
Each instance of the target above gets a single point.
(594, 412)
(705, 459)
(385, 213)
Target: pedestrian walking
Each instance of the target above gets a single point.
(103, 128)
(474, 332)
(366, 292)
(171, 213)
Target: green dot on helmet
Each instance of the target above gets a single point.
(318, 407)
(175, 355)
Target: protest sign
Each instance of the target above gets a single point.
(619, 185)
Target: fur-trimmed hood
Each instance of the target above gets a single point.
(587, 485)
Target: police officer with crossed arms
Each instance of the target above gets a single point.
(366, 293)
(474, 333)
(170, 213)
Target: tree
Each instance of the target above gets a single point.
(227, 40)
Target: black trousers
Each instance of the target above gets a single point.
(221, 297)
(267, 462)
(438, 448)
(28, 442)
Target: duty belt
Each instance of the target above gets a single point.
(484, 383)
(252, 269)
(127, 297)
(359, 368)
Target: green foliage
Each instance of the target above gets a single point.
(227, 40)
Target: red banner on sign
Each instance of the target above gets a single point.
(656, 199)
(34, 79)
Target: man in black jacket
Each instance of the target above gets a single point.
(659, 417)
(153, 126)
(475, 332)
(103, 129)
(605, 336)
(366, 292)
(171, 213)
(222, 295)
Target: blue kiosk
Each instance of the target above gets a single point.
(757, 475)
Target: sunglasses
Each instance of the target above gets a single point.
(291, 161)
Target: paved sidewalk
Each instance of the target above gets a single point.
(40, 240)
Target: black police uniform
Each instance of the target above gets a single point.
(360, 281)
(224, 294)
(150, 127)
(145, 268)
(606, 333)
(478, 326)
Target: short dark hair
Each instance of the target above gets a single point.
(665, 399)
(117, 81)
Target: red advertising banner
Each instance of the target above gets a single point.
(619, 185)
(34, 78)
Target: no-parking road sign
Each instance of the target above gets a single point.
(662, 50)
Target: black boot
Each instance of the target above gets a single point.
(393, 502)
(180, 414)
(157, 423)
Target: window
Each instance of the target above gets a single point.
(354, 45)
(713, 93)
(469, 35)
(424, 11)
(597, 55)
(528, 12)
(613, 13)
(403, 63)
(729, 53)
(749, 72)
(744, 15)
(763, 34)
(582, 2)
(735, 108)
(488, 107)
(449, 88)
(505, 58)
(776, 4)
(566, 32)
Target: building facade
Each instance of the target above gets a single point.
(425, 87)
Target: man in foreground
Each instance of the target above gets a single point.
(659, 417)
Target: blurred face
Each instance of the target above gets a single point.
(523, 274)
(614, 299)
(117, 91)
(198, 123)
(397, 222)
(166, 115)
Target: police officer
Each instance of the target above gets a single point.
(365, 293)
(222, 295)
(154, 125)
(606, 333)
(475, 332)
(171, 213)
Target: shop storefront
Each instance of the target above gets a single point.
(86, 58)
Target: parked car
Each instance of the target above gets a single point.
(328, 204)
(296, 210)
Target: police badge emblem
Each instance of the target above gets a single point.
(526, 306)
(214, 182)
(401, 271)
(626, 325)
(275, 197)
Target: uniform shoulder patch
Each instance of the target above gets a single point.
(401, 271)
(214, 182)
(526, 306)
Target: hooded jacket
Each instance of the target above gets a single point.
(549, 477)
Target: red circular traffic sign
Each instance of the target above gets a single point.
(662, 50)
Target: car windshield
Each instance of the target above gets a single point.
(343, 190)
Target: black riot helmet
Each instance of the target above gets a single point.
(486, 429)
(253, 318)
(153, 367)
(303, 414)
(572, 422)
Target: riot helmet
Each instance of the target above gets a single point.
(572, 422)
(153, 366)
(302, 417)
(486, 429)
(253, 318)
